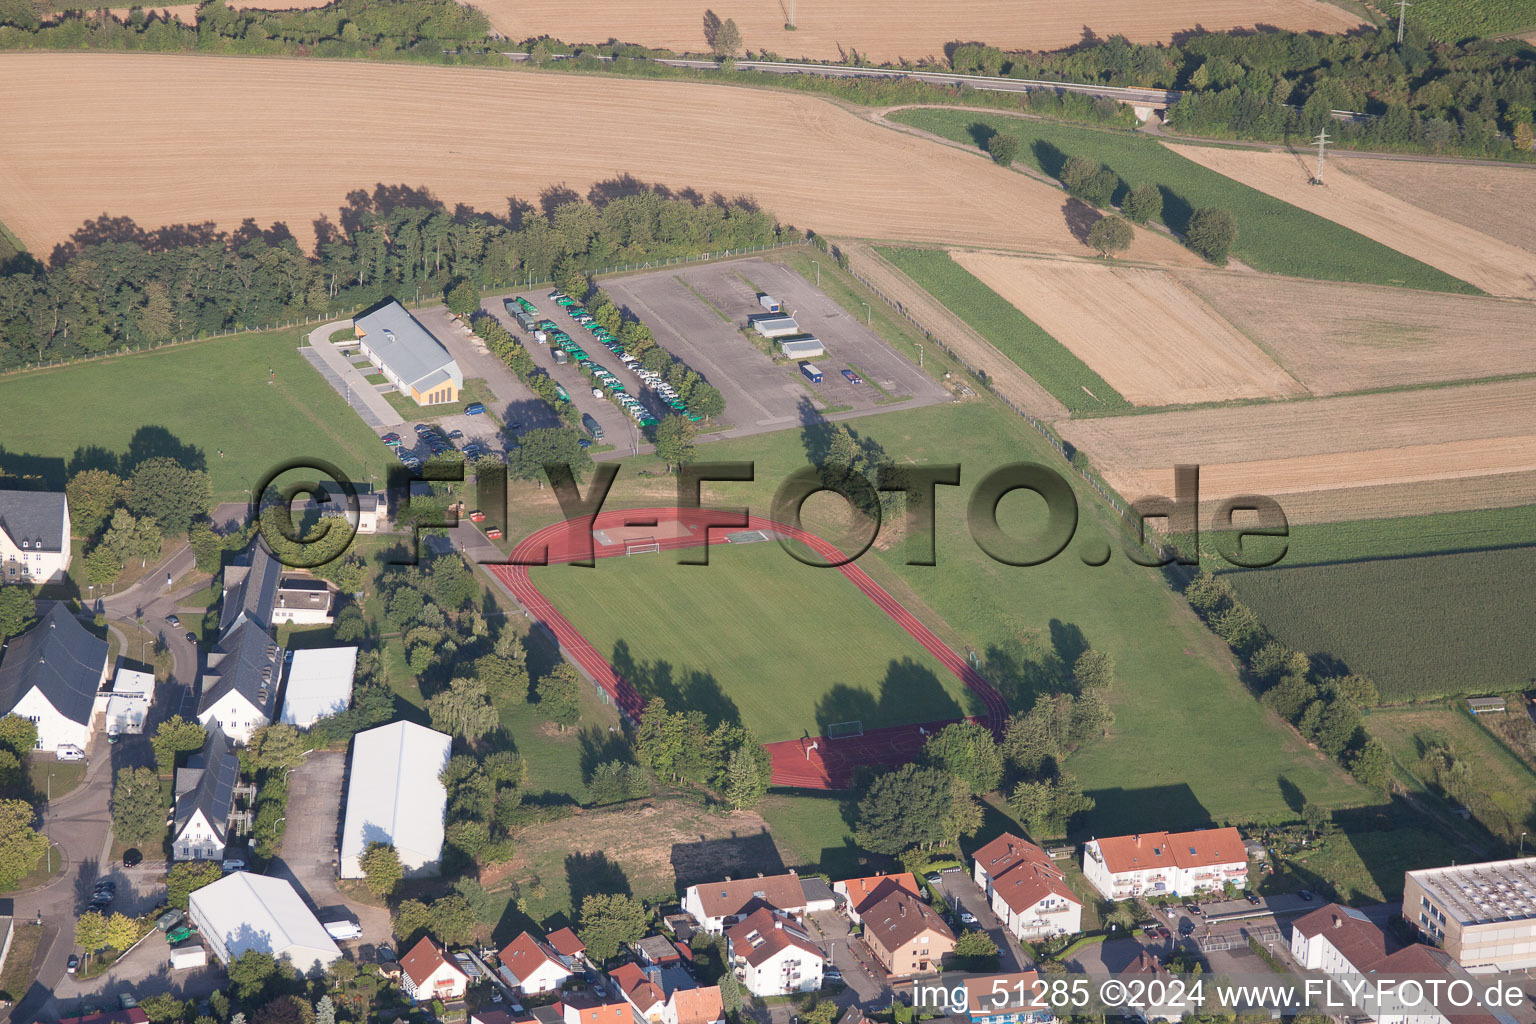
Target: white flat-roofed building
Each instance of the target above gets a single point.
(409, 356)
(242, 911)
(319, 684)
(773, 325)
(132, 694)
(1483, 915)
(395, 796)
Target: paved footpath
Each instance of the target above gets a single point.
(349, 382)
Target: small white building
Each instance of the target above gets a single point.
(127, 708)
(52, 675)
(716, 905)
(1026, 889)
(1166, 863)
(395, 796)
(773, 325)
(34, 536)
(242, 911)
(319, 684)
(773, 955)
(531, 966)
(303, 601)
(426, 974)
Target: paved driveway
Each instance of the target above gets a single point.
(334, 364)
(961, 892)
(864, 978)
(309, 852)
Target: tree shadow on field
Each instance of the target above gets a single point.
(599, 746)
(155, 442)
(910, 692)
(556, 196)
(1080, 218)
(1023, 671)
(686, 690)
(590, 874)
(24, 471)
(1176, 210)
(1051, 159)
(1068, 641)
(980, 133)
(1291, 794)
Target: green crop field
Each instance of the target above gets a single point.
(1272, 235)
(755, 637)
(211, 395)
(1009, 330)
(1421, 627)
(1453, 20)
(1499, 789)
(1438, 533)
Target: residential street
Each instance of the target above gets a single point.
(960, 891)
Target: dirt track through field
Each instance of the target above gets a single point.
(181, 139)
(828, 29)
(1146, 334)
(1332, 451)
(1494, 266)
(1493, 200)
(1348, 337)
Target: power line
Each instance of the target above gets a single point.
(1402, 16)
(1322, 141)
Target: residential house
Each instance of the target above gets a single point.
(905, 935)
(1003, 999)
(372, 508)
(408, 355)
(303, 601)
(659, 951)
(1154, 1003)
(717, 905)
(532, 967)
(585, 1006)
(818, 895)
(244, 667)
(668, 995)
(34, 536)
(856, 892)
(1026, 889)
(205, 801)
(51, 675)
(772, 955)
(426, 974)
(571, 950)
(1166, 863)
(1339, 941)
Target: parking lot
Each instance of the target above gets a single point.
(698, 314)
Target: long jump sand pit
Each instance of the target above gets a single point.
(1142, 330)
(1493, 200)
(181, 139)
(1334, 458)
(1479, 259)
(1349, 337)
(828, 29)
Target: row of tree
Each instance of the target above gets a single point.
(680, 746)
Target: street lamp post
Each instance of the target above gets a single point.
(1522, 843)
(867, 313)
(919, 356)
(818, 272)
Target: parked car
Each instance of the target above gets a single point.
(392, 439)
(74, 963)
(853, 378)
(104, 885)
(832, 974)
(1251, 898)
(474, 409)
(132, 858)
(1149, 930)
(454, 435)
(173, 621)
(966, 917)
(1164, 933)
(69, 752)
(1305, 894)
(494, 533)
(1192, 910)
(233, 864)
(191, 638)
(477, 516)
(934, 879)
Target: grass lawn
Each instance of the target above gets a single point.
(67, 775)
(1420, 627)
(1500, 790)
(812, 834)
(1365, 867)
(1009, 330)
(757, 637)
(1271, 235)
(210, 395)
(17, 976)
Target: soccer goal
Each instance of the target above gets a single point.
(641, 546)
(843, 730)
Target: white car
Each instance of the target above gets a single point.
(966, 917)
(69, 752)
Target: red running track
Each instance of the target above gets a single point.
(810, 763)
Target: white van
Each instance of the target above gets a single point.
(343, 930)
(69, 752)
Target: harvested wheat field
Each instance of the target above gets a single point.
(1494, 200)
(186, 13)
(1494, 266)
(1141, 330)
(828, 29)
(1327, 452)
(1349, 337)
(179, 139)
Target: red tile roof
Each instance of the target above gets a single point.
(1022, 873)
(526, 954)
(1201, 848)
(423, 961)
(898, 917)
(763, 934)
(1362, 943)
(565, 942)
(1146, 962)
(983, 994)
(699, 1005)
(723, 899)
(860, 890)
(596, 1010)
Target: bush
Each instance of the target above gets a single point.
(1211, 232)
(1003, 148)
(1110, 235)
(1089, 180)
(1143, 203)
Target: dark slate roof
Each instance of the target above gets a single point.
(59, 657)
(250, 590)
(247, 659)
(215, 773)
(34, 516)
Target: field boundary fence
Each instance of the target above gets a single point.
(1112, 497)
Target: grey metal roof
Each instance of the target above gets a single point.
(250, 590)
(59, 657)
(406, 347)
(214, 773)
(246, 659)
(36, 517)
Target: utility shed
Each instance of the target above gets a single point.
(396, 797)
(319, 684)
(242, 911)
(805, 347)
(773, 325)
(1487, 705)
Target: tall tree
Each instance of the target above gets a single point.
(273, 748)
(607, 922)
(138, 816)
(560, 696)
(675, 442)
(1110, 235)
(173, 737)
(17, 734)
(169, 493)
(745, 782)
(20, 845)
(904, 808)
(547, 445)
(967, 751)
(463, 709)
(1094, 670)
(1211, 232)
(728, 39)
(381, 869)
(18, 610)
(187, 877)
(92, 494)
